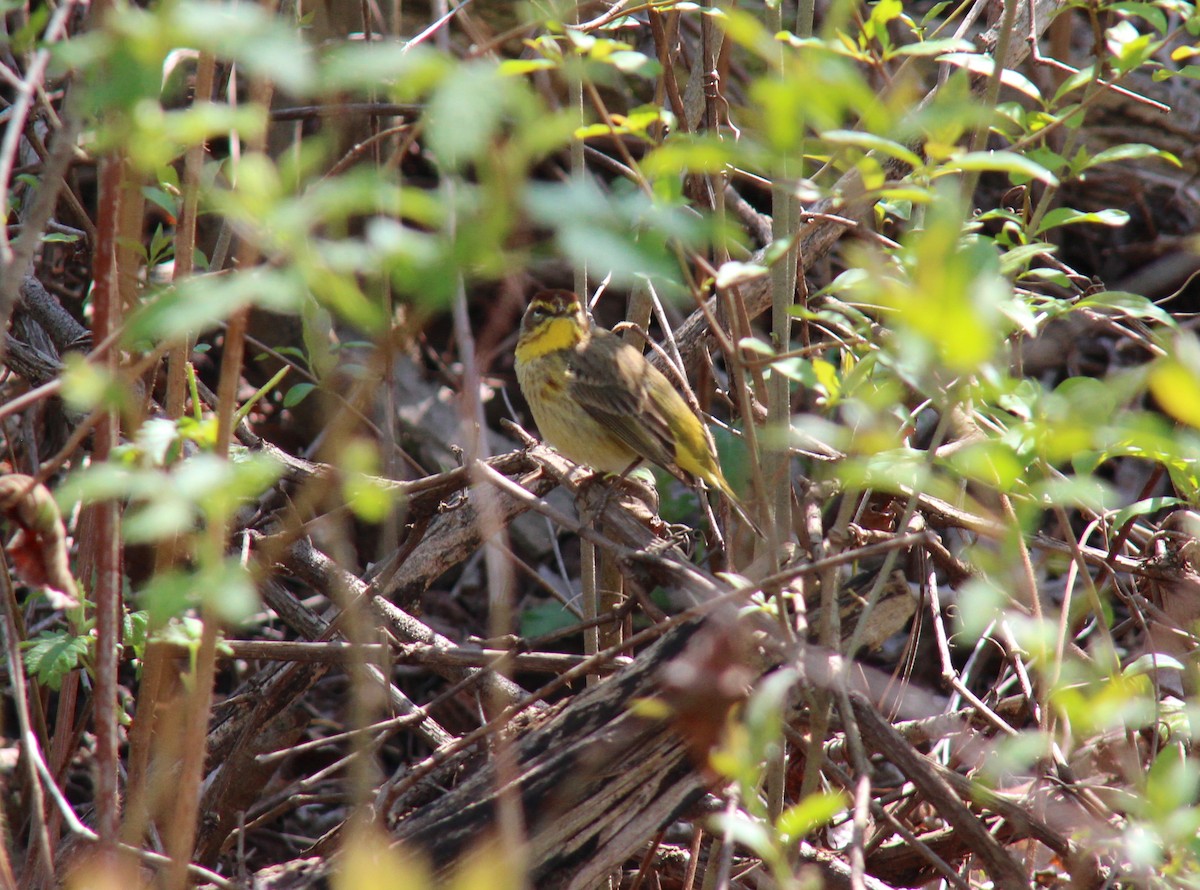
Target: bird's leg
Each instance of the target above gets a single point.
(616, 481)
(718, 548)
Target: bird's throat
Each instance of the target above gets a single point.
(551, 336)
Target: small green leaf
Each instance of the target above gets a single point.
(51, 655)
(1066, 216)
(1143, 508)
(632, 62)
(520, 67)
(934, 47)
(810, 814)
(985, 65)
(297, 394)
(1125, 303)
(1016, 260)
(1150, 662)
(1018, 166)
(798, 369)
(754, 344)
(546, 618)
(871, 142)
(1133, 151)
(743, 829)
(734, 272)
(1156, 17)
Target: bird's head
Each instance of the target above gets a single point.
(554, 319)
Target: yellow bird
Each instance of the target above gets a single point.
(600, 402)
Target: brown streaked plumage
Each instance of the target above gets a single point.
(600, 402)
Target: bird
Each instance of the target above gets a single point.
(599, 402)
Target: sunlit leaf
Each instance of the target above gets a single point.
(734, 272)
(1132, 152)
(871, 142)
(1144, 507)
(1176, 386)
(1065, 216)
(985, 65)
(810, 814)
(695, 154)
(370, 860)
(1125, 303)
(1019, 166)
(990, 462)
(934, 47)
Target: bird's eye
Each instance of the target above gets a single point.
(538, 312)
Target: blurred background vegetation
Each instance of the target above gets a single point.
(928, 268)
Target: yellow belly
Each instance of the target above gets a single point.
(563, 424)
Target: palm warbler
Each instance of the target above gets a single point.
(598, 401)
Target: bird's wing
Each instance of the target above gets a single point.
(626, 409)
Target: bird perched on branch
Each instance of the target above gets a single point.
(600, 402)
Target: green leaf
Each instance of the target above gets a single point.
(734, 272)
(810, 814)
(934, 47)
(1176, 386)
(747, 29)
(683, 154)
(1133, 151)
(754, 344)
(1016, 165)
(990, 462)
(86, 386)
(826, 379)
(798, 369)
(1148, 11)
(763, 714)
(1080, 78)
(1144, 508)
(158, 520)
(201, 303)
(1077, 491)
(297, 394)
(1124, 303)
(465, 112)
(227, 587)
(882, 12)
(1128, 46)
(1018, 258)
(521, 67)
(262, 43)
(871, 142)
(1051, 276)
(743, 829)
(51, 655)
(633, 62)
(100, 482)
(411, 71)
(985, 65)
(546, 618)
(623, 231)
(1172, 781)
(1066, 216)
